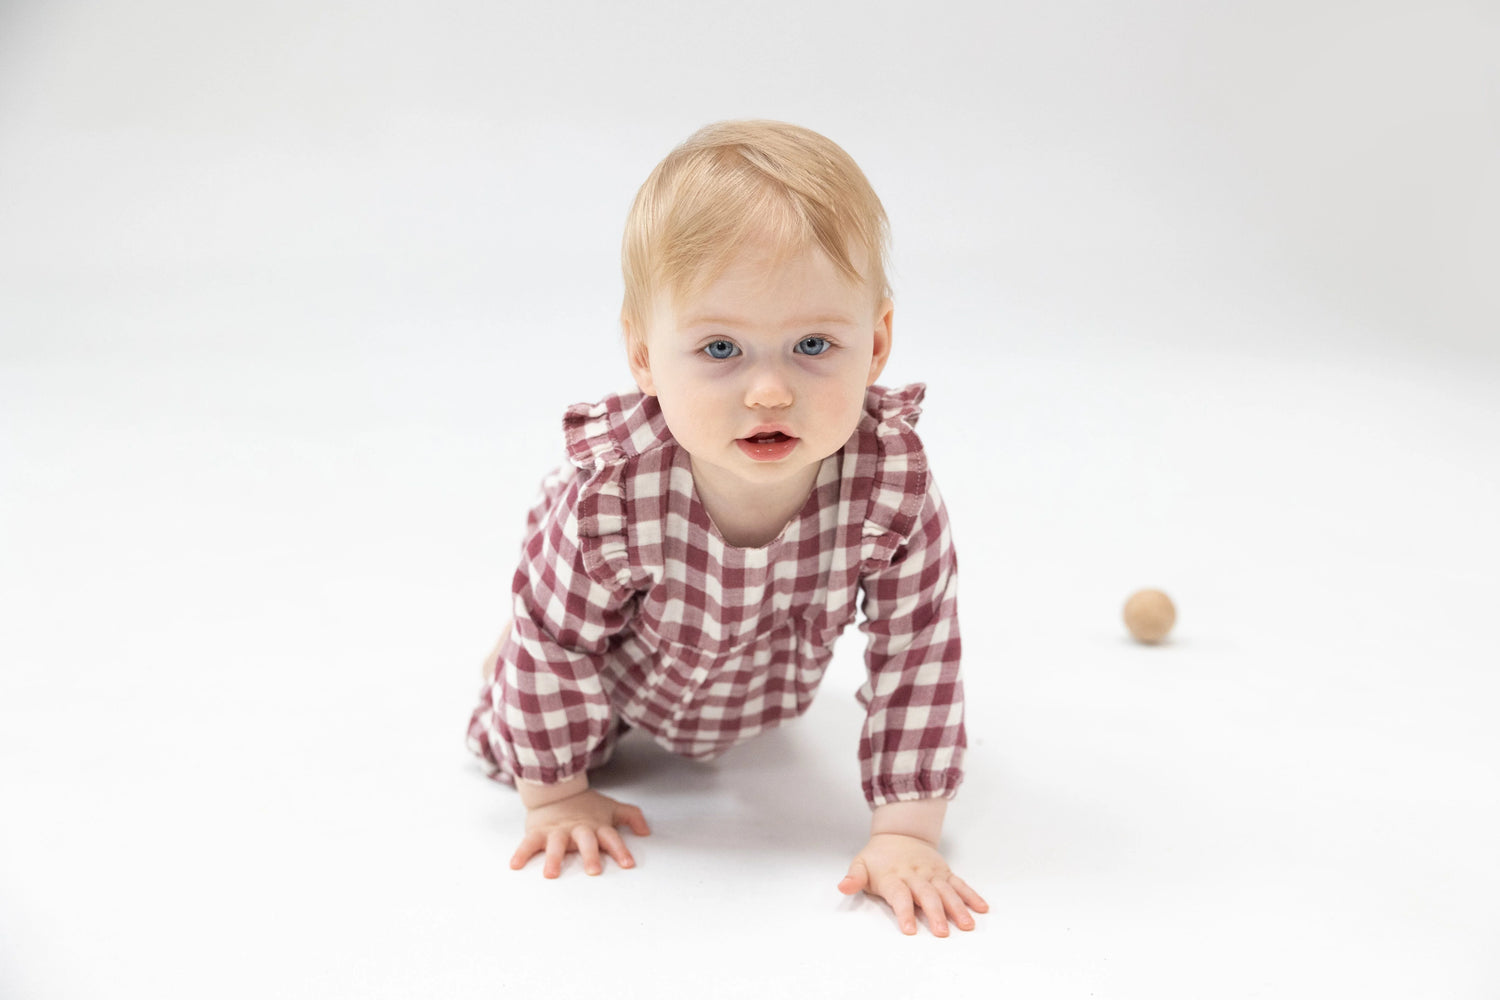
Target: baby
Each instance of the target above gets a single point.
(687, 571)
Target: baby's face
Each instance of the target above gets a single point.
(763, 375)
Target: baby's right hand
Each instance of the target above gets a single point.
(585, 823)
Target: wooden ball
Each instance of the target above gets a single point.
(1149, 615)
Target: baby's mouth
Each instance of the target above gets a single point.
(768, 446)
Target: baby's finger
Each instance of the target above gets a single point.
(557, 849)
(614, 846)
(895, 892)
(957, 911)
(857, 880)
(973, 899)
(932, 904)
(530, 845)
(588, 849)
(632, 817)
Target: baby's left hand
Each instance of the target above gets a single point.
(907, 872)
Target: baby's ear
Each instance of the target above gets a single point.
(884, 315)
(640, 362)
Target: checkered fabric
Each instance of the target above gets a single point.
(630, 610)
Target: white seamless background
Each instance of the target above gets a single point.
(292, 296)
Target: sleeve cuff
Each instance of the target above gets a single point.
(911, 787)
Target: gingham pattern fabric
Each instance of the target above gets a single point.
(630, 610)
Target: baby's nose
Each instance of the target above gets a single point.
(769, 388)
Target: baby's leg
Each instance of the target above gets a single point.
(488, 667)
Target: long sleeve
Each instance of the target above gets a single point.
(547, 714)
(913, 741)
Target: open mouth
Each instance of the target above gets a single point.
(768, 446)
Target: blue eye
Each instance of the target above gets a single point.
(721, 350)
(812, 346)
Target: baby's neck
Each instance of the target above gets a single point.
(750, 515)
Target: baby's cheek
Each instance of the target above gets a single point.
(851, 407)
(690, 415)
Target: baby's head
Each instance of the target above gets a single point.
(756, 304)
(735, 185)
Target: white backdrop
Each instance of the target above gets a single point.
(292, 296)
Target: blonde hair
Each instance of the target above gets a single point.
(735, 183)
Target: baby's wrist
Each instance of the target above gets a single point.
(922, 819)
(535, 796)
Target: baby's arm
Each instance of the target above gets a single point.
(901, 864)
(545, 710)
(570, 816)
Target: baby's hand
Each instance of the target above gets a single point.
(584, 823)
(907, 872)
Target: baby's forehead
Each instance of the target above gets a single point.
(767, 261)
(767, 292)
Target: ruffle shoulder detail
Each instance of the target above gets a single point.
(615, 429)
(897, 465)
(895, 406)
(609, 441)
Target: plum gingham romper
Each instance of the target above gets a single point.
(630, 608)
